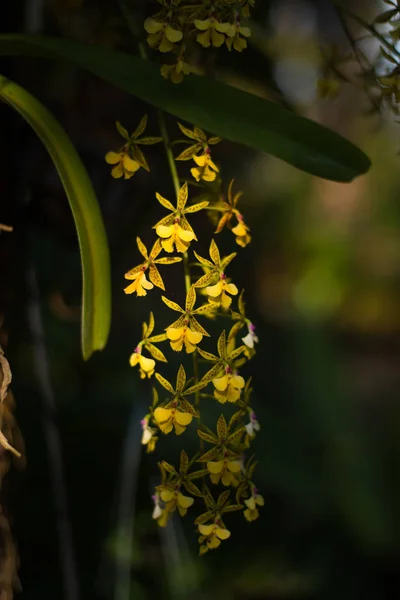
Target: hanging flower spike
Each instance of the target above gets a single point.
(147, 365)
(186, 331)
(251, 513)
(137, 274)
(178, 413)
(174, 229)
(128, 159)
(149, 438)
(229, 210)
(164, 29)
(200, 152)
(212, 31)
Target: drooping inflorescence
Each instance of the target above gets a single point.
(218, 476)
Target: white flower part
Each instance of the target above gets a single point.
(250, 339)
(157, 511)
(147, 431)
(253, 425)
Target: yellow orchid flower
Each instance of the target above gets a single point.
(174, 498)
(241, 231)
(183, 335)
(200, 152)
(140, 284)
(175, 228)
(128, 159)
(169, 418)
(251, 512)
(229, 210)
(211, 536)
(206, 169)
(186, 331)
(177, 71)
(149, 438)
(175, 235)
(224, 470)
(234, 40)
(218, 293)
(124, 165)
(146, 365)
(212, 32)
(161, 35)
(228, 387)
(178, 413)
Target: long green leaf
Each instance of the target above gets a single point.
(96, 289)
(223, 110)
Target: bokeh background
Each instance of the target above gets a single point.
(322, 279)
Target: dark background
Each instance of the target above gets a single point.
(322, 284)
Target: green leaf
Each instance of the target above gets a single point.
(96, 289)
(263, 125)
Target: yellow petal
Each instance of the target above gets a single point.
(201, 160)
(168, 245)
(240, 230)
(117, 171)
(166, 427)
(220, 396)
(174, 334)
(130, 164)
(165, 45)
(231, 289)
(196, 173)
(185, 235)
(234, 466)
(162, 414)
(206, 529)
(202, 25)
(113, 158)
(146, 283)
(213, 542)
(233, 394)
(164, 231)
(223, 534)
(173, 34)
(215, 466)
(183, 418)
(167, 495)
(189, 347)
(238, 381)
(246, 31)
(204, 39)
(250, 503)
(179, 429)
(152, 26)
(134, 359)
(217, 38)
(184, 501)
(221, 383)
(223, 27)
(147, 364)
(259, 500)
(194, 337)
(214, 290)
(178, 345)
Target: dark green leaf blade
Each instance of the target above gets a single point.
(220, 109)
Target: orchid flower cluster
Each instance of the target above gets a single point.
(219, 475)
(181, 25)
